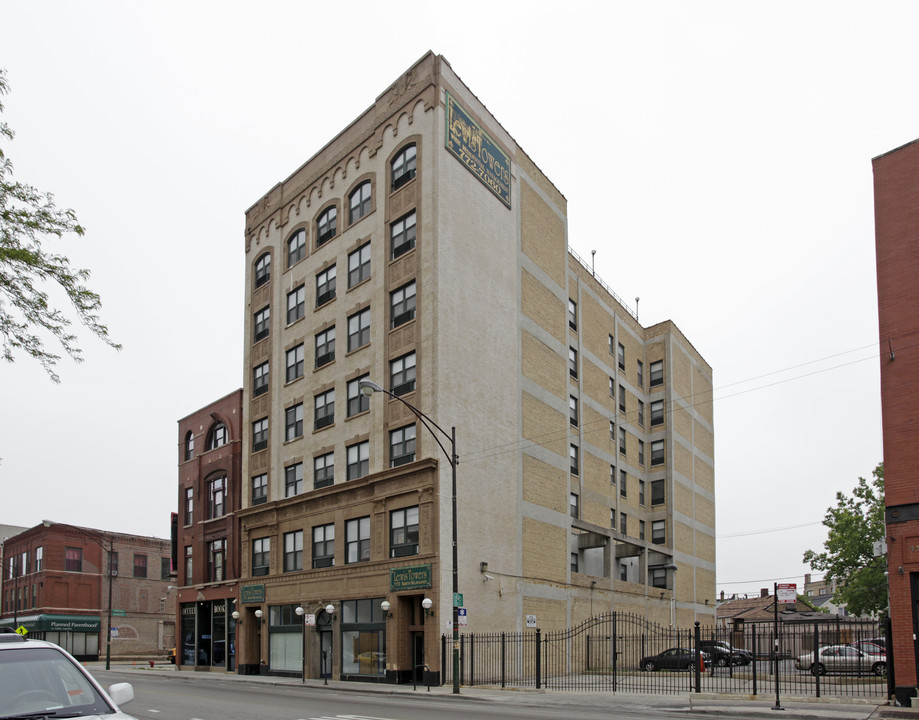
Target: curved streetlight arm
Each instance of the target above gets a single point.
(368, 387)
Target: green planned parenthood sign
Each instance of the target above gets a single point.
(252, 594)
(415, 577)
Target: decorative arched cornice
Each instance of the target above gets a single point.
(266, 215)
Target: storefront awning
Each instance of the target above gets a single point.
(57, 623)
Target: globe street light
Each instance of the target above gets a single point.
(368, 388)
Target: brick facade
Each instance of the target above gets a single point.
(896, 195)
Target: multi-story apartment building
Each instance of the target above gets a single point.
(896, 218)
(207, 544)
(59, 579)
(423, 250)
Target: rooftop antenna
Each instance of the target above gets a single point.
(636, 307)
(593, 254)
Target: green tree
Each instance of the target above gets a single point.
(853, 526)
(27, 218)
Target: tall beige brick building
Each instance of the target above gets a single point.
(424, 250)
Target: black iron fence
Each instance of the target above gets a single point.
(621, 652)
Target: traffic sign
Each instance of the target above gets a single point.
(21, 630)
(461, 616)
(458, 600)
(786, 593)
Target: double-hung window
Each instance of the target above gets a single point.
(620, 356)
(658, 532)
(657, 452)
(262, 270)
(359, 265)
(357, 401)
(359, 329)
(572, 314)
(403, 166)
(621, 398)
(402, 446)
(574, 505)
(657, 412)
(259, 380)
(360, 202)
(324, 545)
(293, 422)
(327, 225)
(293, 480)
(293, 551)
(323, 470)
(622, 436)
(403, 532)
(140, 565)
(296, 247)
(573, 363)
(402, 305)
(358, 460)
(325, 286)
(216, 497)
(260, 489)
(73, 559)
(262, 323)
(572, 411)
(259, 434)
(658, 493)
(325, 347)
(324, 404)
(261, 556)
(295, 363)
(574, 462)
(296, 304)
(357, 540)
(402, 235)
(402, 374)
(657, 373)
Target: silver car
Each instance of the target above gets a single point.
(38, 678)
(842, 659)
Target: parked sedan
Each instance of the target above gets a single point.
(870, 647)
(40, 680)
(723, 654)
(842, 659)
(672, 659)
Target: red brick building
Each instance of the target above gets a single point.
(896, 211)
(56, 585)
(210, 487)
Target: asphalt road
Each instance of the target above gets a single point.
(163, 696)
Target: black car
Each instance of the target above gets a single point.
(672, 659)
(723, 654)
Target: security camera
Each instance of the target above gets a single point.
(487, 577)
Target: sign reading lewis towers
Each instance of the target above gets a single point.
(473, 147)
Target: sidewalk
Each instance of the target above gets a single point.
(730, 706)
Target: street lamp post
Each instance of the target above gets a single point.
(368, 388)
(300, 612)
(110, 551)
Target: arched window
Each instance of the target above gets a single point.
(403, 167)
(327, 225)
(296, 247)
(262, 269)
(189, 445)
(361, 202)
(217, 436)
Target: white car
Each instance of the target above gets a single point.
(40, 680)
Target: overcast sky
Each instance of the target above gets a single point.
(716, 155)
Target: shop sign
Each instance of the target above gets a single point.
(475, 149)
(414, 577)
(252, 594)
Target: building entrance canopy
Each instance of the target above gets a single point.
(58, 623)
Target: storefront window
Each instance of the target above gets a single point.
(285, 640)
(363, 645)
